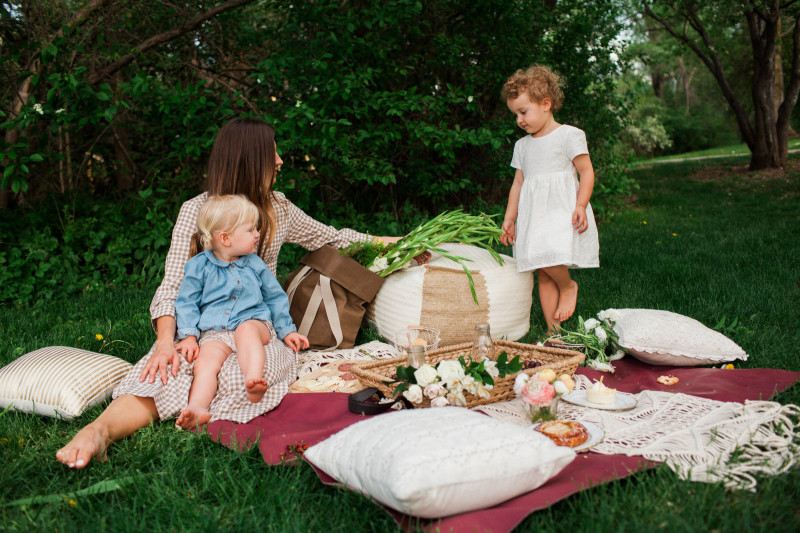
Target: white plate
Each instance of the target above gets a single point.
(622, 401)
(596, 435)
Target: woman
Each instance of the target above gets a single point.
(243, 161)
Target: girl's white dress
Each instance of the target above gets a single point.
(545, 236)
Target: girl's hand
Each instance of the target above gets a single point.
(509, 236)
(296, 341)
(188, 347)
(164, 354)
(579, 220)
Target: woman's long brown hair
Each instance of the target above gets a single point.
(242, 162)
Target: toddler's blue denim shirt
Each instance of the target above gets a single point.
(220, 295)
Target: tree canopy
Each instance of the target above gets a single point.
(377, 105)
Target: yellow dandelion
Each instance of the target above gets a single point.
(644, 222)
(98, 337)
(380, 241)
(73, 503)
(674, 234)
(729, 367)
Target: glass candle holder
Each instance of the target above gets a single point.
(545, 412)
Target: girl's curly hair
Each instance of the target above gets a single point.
(539, 82)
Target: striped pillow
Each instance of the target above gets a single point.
(59, 381)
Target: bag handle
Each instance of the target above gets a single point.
(290, 290)
(322, 295)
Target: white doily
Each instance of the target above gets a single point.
(311, 360)
(699, 439)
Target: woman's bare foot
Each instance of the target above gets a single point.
(256, 388)
(566, 303)
(89, 443)
(192, 417)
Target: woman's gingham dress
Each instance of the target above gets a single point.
(280, 367)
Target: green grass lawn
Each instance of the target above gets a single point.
(704, 239)
(734, 150)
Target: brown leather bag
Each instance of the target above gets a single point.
(328, 296)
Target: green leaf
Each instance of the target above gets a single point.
(400, 388)
(98, 488)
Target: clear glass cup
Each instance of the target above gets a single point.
(483, 345)
(416, 355)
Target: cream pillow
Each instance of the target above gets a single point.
(59, 381)
(666, 338)
(440, 461)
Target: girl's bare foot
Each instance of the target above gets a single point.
(566, 303)
(89, 443)
(192, 417)
(256, 388)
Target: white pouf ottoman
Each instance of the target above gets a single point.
(437, 295)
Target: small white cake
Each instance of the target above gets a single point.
(599, 393)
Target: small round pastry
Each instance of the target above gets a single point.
(564, 432)
(599, 393)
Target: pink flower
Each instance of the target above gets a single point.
(538, 392)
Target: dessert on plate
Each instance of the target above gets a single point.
(564, 432)
(599, 393)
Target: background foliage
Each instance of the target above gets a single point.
(385, 111)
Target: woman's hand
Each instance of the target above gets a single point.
(296, 341)
(164, 354)
(579, 219)
(509, 236)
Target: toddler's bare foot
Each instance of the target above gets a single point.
(192, 417)
(566, 303)
(89, 443)
(256, 388)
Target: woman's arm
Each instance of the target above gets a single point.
(185, 226)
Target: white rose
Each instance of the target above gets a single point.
(601, 334)
(520, 382)
(425, 375)
(591, 324)
(613, 314)
(560, 387)
(434, 390)
(482, 391)
(450, 371)
(457, 398)
(413, 394)
(602, 315)
(439, 401)
(491, 367)
(602, 367)
(619, 354)
(469, 384)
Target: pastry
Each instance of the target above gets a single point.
(667, 380)
(564, 432)
(599, 393)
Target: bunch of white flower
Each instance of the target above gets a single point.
(447, 383)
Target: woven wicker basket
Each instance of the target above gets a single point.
(374, 374)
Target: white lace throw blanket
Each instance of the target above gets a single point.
(310, 360)
(699, 439)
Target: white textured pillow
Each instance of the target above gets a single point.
(59, 381)
(437, 295)
(439, 461)
(666, 338)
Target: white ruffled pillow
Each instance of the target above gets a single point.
(59, 381)
(439, 461)
(666, 338)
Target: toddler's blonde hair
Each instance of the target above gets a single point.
(222, 213)
(539, 82)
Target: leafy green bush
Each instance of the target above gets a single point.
(84, 245)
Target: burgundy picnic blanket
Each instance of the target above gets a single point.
(305, 419)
